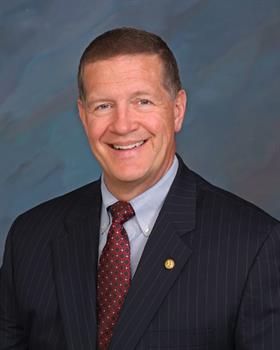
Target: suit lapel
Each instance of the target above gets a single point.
(75, 263)
(152, 280)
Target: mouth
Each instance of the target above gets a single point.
(128, 147)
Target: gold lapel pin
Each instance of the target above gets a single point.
(169, 264)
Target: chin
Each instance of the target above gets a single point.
(130, 176)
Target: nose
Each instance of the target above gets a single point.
(123, 121)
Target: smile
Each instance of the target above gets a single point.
(128, 147)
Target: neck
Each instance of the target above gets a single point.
(125, 192)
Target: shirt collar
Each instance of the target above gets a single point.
(146, 206)
(107, 200)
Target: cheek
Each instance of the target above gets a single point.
(165, 129)
(159, 124)
(96, 130)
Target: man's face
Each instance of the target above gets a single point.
(130, 120)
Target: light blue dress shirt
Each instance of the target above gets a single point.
(146, 207)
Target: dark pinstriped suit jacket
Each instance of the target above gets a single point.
(224, 292)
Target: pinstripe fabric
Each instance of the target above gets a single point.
(224, 292)
(48, 285)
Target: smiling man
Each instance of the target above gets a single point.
(130, 118)
(150, 256)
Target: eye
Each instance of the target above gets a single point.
(103, 106)
(144, 102)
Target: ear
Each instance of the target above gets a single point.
(180, 104)
(82, 113)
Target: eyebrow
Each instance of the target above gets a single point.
(89, 103)
(107, 99)
(141, 93)
(137, 93)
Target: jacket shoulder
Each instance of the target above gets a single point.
(230, 215)
(53, 211)
(229, 200)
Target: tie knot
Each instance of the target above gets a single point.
(121, 212)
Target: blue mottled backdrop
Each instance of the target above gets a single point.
(229, 55)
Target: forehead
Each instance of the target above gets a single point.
(124, 68)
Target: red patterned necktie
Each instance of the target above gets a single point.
(114, 273)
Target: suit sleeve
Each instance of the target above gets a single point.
(258, 325)
(12, 332)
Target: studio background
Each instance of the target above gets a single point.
(229, 58)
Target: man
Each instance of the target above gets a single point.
(151, 256)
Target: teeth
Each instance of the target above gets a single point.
(134, 145)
